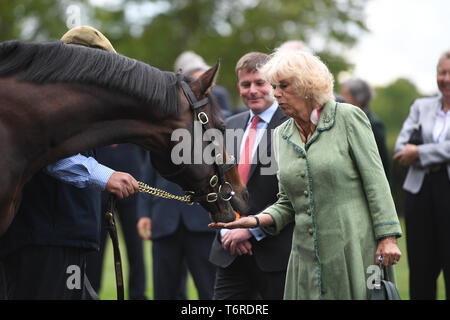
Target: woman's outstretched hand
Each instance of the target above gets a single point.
(243, 222)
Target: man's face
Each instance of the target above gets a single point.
(346, 94)
(443, 77)
(256, 93)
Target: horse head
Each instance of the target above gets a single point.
(198, 160)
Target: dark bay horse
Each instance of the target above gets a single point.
(57, 100)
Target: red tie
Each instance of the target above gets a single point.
(246, 156)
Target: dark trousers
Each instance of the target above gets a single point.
(427, 219)
(136, 283)
(172, 254)
(244, 280)
(44, 273)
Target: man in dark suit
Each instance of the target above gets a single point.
(359, 93)
(180, 237)
(250, 263)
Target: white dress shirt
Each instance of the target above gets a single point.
(441, 125)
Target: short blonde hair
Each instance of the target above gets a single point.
(310, 75)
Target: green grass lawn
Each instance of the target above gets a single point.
(108, 290)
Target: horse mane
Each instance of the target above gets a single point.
(51, 62)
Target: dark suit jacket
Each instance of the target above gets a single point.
(379, 132)
(272, 252)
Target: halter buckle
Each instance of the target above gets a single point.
(211, 197)
(203, 118)
(213, 181)
(229, 195)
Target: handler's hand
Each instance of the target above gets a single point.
(243, 222)
(408, 155)
(122, 185)
(390, 251)
(236, 242)
(144, 228)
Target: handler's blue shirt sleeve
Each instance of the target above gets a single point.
(80, 171)
(258, 233)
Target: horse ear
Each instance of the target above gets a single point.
(208, 78)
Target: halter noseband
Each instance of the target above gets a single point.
(219, 165)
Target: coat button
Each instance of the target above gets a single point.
(311, 231)
(308, 211)
(302, 174)
(306, 193)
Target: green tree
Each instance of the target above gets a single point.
(391, 103)
(157, 31)
(227, 29)
(32, 20)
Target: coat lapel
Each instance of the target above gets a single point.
(326, 122)
(429, 118)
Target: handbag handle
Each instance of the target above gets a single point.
(382, 269)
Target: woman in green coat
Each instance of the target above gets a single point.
(331, 182)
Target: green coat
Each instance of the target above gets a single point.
(335, 190)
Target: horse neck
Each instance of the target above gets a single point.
(91, 117)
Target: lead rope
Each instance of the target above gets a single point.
(112, 230)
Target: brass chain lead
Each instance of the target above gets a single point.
(144, 188)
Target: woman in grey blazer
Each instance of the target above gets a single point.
(427, 187)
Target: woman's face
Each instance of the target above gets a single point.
(288, 98)
(443, 77)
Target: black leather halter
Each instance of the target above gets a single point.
(225, 191)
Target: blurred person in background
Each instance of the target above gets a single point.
(359, 93)
(193, 65)
(427, 187)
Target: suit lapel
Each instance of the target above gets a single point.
(429, 119)
(239, 123)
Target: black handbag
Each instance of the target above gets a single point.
(416, 136)
(384, 289)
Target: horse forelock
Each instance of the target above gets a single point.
(58, 62)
